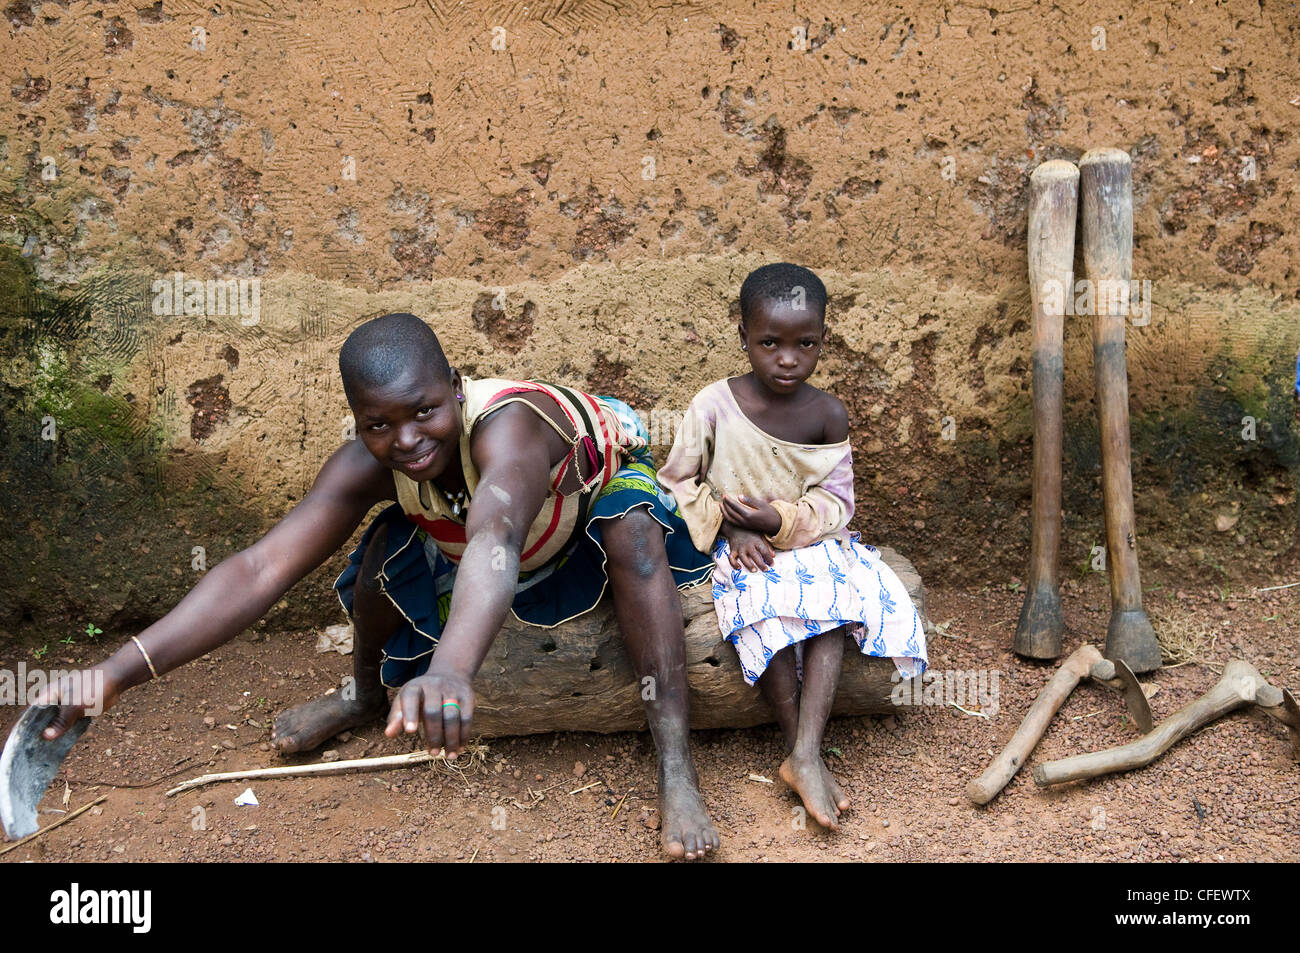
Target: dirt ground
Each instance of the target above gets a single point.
(1226, 794)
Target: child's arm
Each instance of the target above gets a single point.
(827, 507)
(823, 510)
(747, 549)
(683, 475)
(819, 513)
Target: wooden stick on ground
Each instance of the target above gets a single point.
(324, 767)
(1074, 669)
(63, 820)
(1240, 685)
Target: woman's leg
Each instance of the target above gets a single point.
(650, 617)
(804, 769)
(374, 620)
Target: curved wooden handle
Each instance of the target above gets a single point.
(1240, 685)
(985, 788)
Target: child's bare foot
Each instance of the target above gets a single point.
(809, 779)
(312, 723)
(833, 788)
(685, 829)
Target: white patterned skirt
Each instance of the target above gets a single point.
(812, 590)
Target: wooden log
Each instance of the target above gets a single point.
(1240, 685)
(1074, 669)
(577, 676)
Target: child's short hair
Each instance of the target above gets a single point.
(379, 351)
(779, 282)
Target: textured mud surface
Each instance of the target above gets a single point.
(574, 191)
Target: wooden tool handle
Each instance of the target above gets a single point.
(1107, 257)
(1053, 206)
(1106, 184)
(1239, 686)
(987, 786)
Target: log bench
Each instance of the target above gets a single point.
(577, 676)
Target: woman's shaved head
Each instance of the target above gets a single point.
(380, 351)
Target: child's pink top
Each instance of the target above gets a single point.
(719, 450)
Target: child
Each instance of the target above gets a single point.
(762, 473)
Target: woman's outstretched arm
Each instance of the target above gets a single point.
(239, 590)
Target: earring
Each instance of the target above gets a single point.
(744, 347)
(460, 397)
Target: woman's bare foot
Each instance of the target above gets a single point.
(685, 830)
(809, 779)
(312, 723)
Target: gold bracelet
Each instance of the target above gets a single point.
(147, 660)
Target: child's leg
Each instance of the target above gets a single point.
(779, 684)
(822, 657)
(375, 619)
(826, 680)
(804, 769)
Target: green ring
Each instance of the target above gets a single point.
(457, 704)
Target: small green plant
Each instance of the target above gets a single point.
(1210, 562)
(40, 653)
(836, 752)
(93, 630)
(1086, 565)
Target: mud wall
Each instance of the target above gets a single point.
(609, 172)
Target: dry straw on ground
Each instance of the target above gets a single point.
(1184, 638)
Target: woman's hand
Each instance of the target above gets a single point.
(749, 513)
(89, 692)
(748, 550)
(443, 703)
